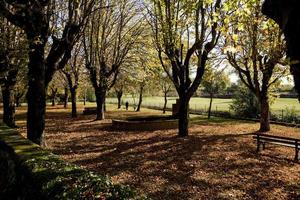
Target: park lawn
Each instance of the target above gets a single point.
(217, 161)
(280, 104)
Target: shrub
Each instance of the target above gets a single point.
(245, 104)
(291, 116)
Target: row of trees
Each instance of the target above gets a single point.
(112, 41)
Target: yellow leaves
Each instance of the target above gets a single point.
(235, 37)
(232, 49)
(37, 40)
(229, 49)
(240, 27)
(227, 20)
(208, 2)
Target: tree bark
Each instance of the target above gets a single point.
(119, 97)
(210, 105)
(183, 115)
(166, 101)
(100, 100)
(66, 98)
(74, 99)
(265, 114)
(53, 97)
(18, 98)
(140, 99)
(84, 99)
(8, 106)
(36, 95)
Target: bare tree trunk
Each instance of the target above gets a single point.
(8, 106)
(36, 95)
(100, 100)
(210, 105)
(166, 101)
(140, 99)
(119, 97)
(53, 97)
(18, 97)
(264, 114)
(84, 100)
(66, 98)
(74, 99)
(17, 101)
(183, 115)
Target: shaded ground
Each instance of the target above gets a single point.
(217, 161)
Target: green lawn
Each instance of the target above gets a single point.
(281, 104)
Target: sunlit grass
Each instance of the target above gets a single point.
(196, 103)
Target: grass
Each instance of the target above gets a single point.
(281, 104)
(217, 161)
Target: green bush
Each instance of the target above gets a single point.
(38, 174)
(245, 104)
(291, 116)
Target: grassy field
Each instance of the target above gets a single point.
(281, 104)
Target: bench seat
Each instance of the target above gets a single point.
(262, 139)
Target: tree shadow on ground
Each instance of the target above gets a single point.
(210, 166)
(215, 162)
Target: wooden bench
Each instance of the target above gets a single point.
(262, 139)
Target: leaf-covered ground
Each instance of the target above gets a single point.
(217, 161)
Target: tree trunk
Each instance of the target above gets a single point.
(183, 115)
(119, 96)
(74, 99)
(17, 99)
(36, 95)
(165, 104)
(100, 100)
(84, 100)
(210, 105)
(53, 99)
(140, 99)
(66, 98)
(264, 115)
(8, 106)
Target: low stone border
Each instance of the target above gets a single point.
(35, 173)
(145, 125)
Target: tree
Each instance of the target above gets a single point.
(142, 75)
(53, 94)
(245, 103)
(72, 73)
(20, 88)
(185, 32)
(67, 19)
(286, 14)
(166, 87)
(119, 87)
(12, 59)
(255, 48)
(108, 39)
(214, 82)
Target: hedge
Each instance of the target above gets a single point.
(29, 172)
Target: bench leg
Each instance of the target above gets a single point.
(258, 147)
(297, 155)
(264, 145)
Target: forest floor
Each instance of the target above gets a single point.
(217, 161)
